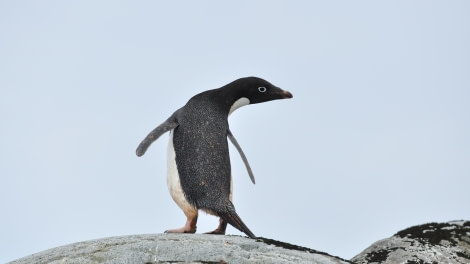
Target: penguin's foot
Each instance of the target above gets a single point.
(183, 229)
(220, 230)
(189, 227)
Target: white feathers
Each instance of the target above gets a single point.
(174, 184)
(173, 180)
(239, 103)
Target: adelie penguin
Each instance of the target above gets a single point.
(199, 173)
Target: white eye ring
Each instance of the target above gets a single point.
(262, 89)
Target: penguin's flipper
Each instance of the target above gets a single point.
(231, 217)
(245, 160)
(166, 126)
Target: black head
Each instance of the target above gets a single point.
(257, 90)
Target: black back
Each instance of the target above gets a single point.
(200, 139)
(202, 154)
(200, 142)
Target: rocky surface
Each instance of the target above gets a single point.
(180, 248)
(433, 243)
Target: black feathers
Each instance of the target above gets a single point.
(200, 131)
(230, 216)
(166, 126)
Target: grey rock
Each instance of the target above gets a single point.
(432, 243)
(180, 248)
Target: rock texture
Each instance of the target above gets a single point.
(180, 248)
(433, 243)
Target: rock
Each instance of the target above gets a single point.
(180, 248)
(432, 243)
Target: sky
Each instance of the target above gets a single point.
(375, 139)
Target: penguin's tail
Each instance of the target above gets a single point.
(231, 217)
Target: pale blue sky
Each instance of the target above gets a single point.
(376, 138)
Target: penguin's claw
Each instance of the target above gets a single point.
(183, 229)
(189, 227)
(220, 230)
(216, 232)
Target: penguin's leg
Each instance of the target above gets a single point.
(174, 186)
(220, 230)
(189, 227)
(227, 214)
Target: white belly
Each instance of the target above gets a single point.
(174, 184)
(173, 180)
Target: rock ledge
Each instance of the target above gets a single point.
(432, 243)
(180, 248)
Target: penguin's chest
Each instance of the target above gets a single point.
(173, 179)
(201, 183)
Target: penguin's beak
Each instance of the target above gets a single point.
(286, 94)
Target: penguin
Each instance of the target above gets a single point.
(198, 163)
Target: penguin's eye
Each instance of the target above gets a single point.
(262, 89)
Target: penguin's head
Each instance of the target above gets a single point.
(258, 90)
(253, 90)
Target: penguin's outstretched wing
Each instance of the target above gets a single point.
(166, 126)
(245, 160)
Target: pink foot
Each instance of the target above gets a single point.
(189, 227)
(183, 229)
(220, 229)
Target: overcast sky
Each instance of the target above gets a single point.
(376, 138)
